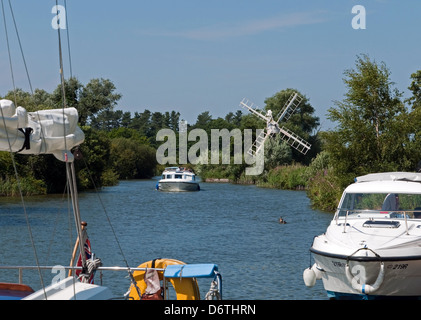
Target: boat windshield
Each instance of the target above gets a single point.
(394, 205)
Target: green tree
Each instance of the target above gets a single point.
(173, 119)
(234, 119)
(96, 158)
(128, 133)
(415, 88)
(126, 119)
(157, 122)
(72, 90)
(91, 100)
(277, 153)
(96, 97)
(141, 122)
(414, 119)
(371, 134)
(132, 160)
(42, 99)
(21, 98)
(107, 120)
(204, 121)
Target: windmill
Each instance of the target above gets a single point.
(273, 128)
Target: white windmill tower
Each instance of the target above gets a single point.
(273, 127)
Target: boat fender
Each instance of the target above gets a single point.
(365, 288)
(309, 277)
(318, 271)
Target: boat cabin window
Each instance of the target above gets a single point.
(178, 176)
(395, 205)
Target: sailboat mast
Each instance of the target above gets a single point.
(71, 178)
(70, 169)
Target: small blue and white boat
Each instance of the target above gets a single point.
(178, 179)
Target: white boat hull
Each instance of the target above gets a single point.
(401, 279)
(178, 186)
(71, 289)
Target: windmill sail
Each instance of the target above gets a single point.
(259, 143)
(273, 128)
(249, 106)
(290, 107)
(294, 141)
(42, 132)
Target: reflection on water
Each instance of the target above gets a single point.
(234, 226)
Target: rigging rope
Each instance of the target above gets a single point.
(8, 50)
(112, 229)
(68, 40)
(21, 48)
(63, 90)
(13, 158)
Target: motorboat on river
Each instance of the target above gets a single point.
(372, 247)
(178, 179)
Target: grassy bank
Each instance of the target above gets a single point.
(10, 187)
(290, 177)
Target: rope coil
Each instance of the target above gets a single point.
(215, 290)
(89, 269)
(365, 288)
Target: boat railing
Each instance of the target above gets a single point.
(74, 268)
(410, 214)
(368, 213)
(171, 271)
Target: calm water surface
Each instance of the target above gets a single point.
(234, 226)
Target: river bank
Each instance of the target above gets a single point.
(317, 180)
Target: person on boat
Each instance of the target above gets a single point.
(391, 202)
(417, 213)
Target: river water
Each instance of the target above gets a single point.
(234, 226)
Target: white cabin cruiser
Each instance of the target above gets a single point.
(178, 179)
(372, 247)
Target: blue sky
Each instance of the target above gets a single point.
(195, 56)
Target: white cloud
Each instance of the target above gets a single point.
(245, 28)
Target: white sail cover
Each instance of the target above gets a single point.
(42, 132)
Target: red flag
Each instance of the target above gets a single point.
(88, 255)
